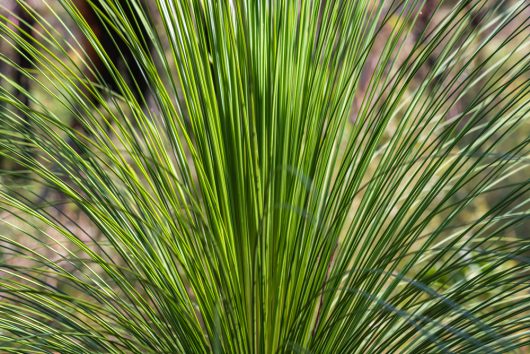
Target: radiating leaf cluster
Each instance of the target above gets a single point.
(248, 205)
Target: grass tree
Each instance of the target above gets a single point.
(320, 176)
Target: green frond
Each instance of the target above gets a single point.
(324, 176)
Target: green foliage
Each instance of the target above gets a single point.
(250, 208)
